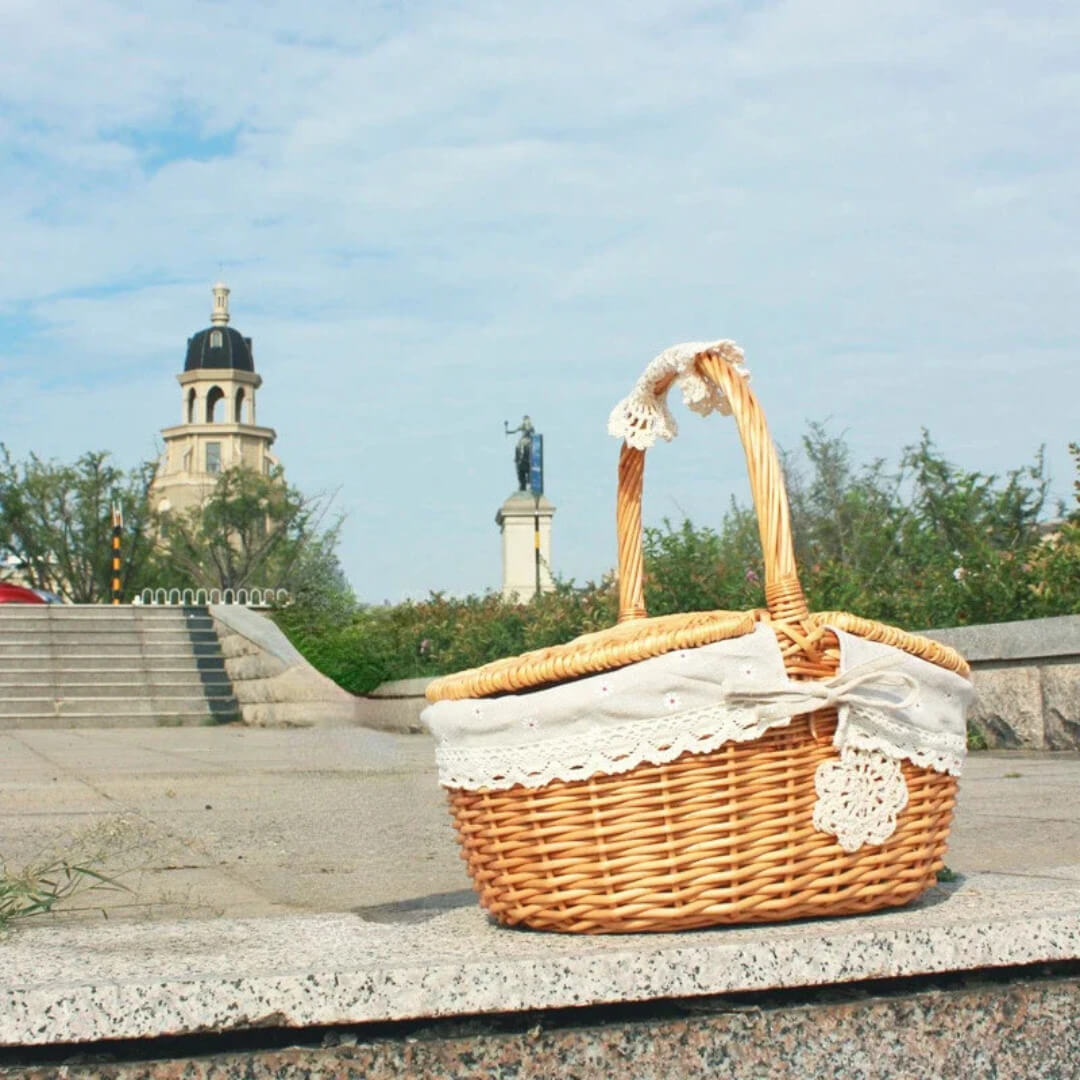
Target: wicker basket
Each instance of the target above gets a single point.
(720, 837)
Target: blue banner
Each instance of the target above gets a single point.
(536, 465)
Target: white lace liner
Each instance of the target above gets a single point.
(892, 706)
(643, 416)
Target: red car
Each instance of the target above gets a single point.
(16, 594)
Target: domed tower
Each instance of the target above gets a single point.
(218, 429)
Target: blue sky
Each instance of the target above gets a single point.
(435, 217)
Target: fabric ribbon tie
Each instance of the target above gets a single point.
(796, 698)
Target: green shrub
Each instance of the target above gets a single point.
(441, 634)
(926, 545)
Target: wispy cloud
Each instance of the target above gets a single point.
(435, 217)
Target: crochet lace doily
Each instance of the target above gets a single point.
(859, 796)
(643, 416)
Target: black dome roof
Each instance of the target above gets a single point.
(234, 350)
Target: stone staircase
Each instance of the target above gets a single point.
(65, 666)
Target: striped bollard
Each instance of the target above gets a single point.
(117, 529)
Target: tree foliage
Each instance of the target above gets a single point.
(56, 520)
(254, 530)
(929, 544)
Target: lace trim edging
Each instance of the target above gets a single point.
(659, 741)
(873, 730)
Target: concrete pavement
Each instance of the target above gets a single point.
(230, 821)
(201, 822)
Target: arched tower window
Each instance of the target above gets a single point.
(239, 413)
(191, 406)
(212, 398)
(215, 339)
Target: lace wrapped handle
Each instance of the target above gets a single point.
(719, 368)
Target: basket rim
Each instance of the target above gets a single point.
(641, 639)
(593, 653)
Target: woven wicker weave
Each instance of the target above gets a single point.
(723, 837)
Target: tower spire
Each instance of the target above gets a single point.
(219, 313)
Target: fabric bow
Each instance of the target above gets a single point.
(796, 698)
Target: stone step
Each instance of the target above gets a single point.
(112, 635)
(33, 615)
(140, 676)
(52, 647)
(28, 707)
(114, 719)
(102, 611)
(46, 632)
(90, 666)
(100, 666)
(105, 706)
(111, 611)
(11, 653)
(141, 688)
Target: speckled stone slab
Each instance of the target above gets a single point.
(93, 982)
(989, 1030)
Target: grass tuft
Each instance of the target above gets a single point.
(38, 888)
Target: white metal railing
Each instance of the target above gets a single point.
(252, 598)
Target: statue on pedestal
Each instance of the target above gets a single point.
(523, 450)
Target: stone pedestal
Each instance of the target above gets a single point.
(517, 520)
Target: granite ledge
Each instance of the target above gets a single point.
(90, 983)
(1002, 643)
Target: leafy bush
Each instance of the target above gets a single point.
(928, 544)
(440, 634)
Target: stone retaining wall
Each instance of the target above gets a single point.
(1027, 681)
(274, 685)
(394, 706)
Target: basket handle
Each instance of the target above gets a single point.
(783, 593)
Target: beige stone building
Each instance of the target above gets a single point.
(218, 428)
